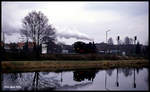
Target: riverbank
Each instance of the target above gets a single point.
(37, 66)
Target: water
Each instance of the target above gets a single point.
(111, 79)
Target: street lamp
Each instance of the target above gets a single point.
(106, 35)
(106, 39)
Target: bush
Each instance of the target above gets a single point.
(32, 56)
(79, 57)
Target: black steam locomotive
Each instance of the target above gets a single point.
(81, 47)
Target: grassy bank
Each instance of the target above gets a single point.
(32, 66)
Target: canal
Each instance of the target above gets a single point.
(110, 79)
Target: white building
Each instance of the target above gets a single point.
(65, 51)
(44, 48)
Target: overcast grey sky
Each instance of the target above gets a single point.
(83, 21)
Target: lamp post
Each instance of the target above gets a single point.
(106, 35)
(106, 40)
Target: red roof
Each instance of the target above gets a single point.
(21, 44)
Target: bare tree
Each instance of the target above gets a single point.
(110, 41)
(131, 40)
(37, 29)
(128, 41)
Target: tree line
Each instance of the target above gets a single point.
(37, 29)
(127, 41)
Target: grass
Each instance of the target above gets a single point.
(32, 66)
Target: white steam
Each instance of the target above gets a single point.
(72, 33)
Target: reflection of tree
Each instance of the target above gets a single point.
(10, 78)
(127, 72)
(106, 80)
(41, 83)
(117, 82)
(138, 70)
(134, 84)
(35, 80)
(14, 76)
(82, 75)
(109, 71)
(31, 81)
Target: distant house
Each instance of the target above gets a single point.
(19, 46)
(65, 51)
(44, 48)
(122, 49)
(7, 47)
(53, 48)
(57, 48)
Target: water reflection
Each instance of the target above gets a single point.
(82, 75)
(117, 83)
(133, 74)
(35, 80)
(134, 84)
(111, 79)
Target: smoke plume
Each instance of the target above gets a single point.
(72, 33)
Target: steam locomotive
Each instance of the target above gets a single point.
(81, 47)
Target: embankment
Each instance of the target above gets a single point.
(52, 65)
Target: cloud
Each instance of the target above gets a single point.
(8, 29)
(131, 8)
